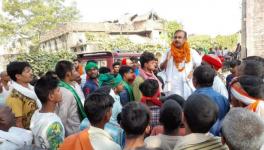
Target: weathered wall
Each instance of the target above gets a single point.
(253, 27)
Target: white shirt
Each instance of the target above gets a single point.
(15, 138)
(4, 94)
(162, 141)
(219, 52)
(117, 107)
(225, 52)
(220, 87)
(79, 91)
(47, 129)
(83, 77)
(101, 140)
(177, 82)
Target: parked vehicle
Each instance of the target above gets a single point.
(105, 58)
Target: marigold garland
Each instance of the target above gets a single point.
(180, 55)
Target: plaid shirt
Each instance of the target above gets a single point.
(155, 114)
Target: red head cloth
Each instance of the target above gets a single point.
(213, 60)
(154, 99)
(123, 62)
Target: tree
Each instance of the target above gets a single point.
(171, 27)
(200, 41)
(42, 61)
(26, 20)
(206, 41)
(229, 41)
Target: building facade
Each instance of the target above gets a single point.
(252, 28)
(138, 29)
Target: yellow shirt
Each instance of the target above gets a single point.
(21, 106)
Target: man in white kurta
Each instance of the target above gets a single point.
(179, 81)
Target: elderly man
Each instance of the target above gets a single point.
(243, 130)
(12, 137)
(4, 86)
(178, 64)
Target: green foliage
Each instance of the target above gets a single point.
(28, 19)
(171, 27)
(121, 42)
(43, 61)
(229, 41)
(205, 41)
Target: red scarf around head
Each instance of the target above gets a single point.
(154, 99)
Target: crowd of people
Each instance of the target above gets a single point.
(178, 102)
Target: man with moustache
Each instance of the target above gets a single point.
(91, 83)
(178, 64)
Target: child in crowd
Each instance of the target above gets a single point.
(170, 118)
(135, 119)
(150, 97)
(46, 126)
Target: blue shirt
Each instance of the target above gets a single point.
(220, 101)
(124, 97)
(136, 71)
(89, 86)
(116, 132)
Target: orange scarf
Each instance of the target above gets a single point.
(180, 55)
(253, 107)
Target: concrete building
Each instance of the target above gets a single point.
(145, 28)
(252, 28)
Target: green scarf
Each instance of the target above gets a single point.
(90, 65)
(130, 91)
(110, 80)
(77, 98)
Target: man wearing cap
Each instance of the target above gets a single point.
(178, 64)
(91, 83)
(216, 64)
(116, 84)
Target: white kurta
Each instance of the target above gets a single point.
(220, 87)
(177, 82)
(15, 138)
(5, 94)
(117, 107)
